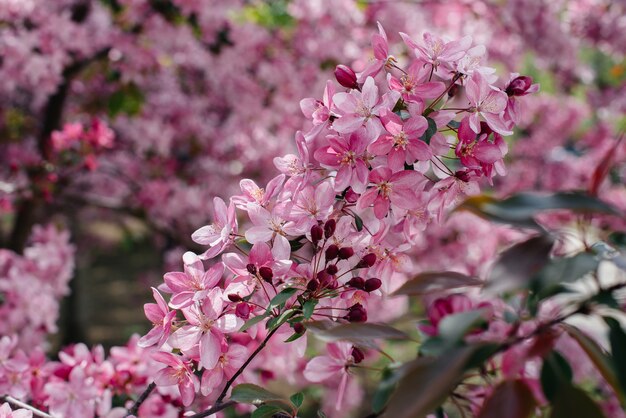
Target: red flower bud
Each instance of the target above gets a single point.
(368, 260)
(313, 285)
(356, 313)
(298, 328)
(346, 77)
(242, 310)
(345, 253)
(372, 284)
(233, 297)
(356, 282)
(251, 269)
(266, 274)
(519, 86)
(317, 233)
(357, 355)
(332, 252)
(332, 269)
(329, 228)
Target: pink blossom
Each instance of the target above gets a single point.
(474, 150)
(194, 283)
(74, 398)
(6, 412)
(161, 317)
(415, 85)
(404, 144)
(255, 194)
(487, 101)
(442, 307)
(380, 44)
(319, 111)
(333, 365)
(232, 358)
(178, 372)
(391, 188)
(218, 235)
(436, 51)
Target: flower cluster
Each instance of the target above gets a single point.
(330, 234)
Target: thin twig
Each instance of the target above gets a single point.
(20, 404)
(135, 408)
(215, 408)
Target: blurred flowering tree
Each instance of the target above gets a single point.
(150, 109)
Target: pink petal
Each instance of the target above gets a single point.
(210, 349)
(321, 368)
(348, 123)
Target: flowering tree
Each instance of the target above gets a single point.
(388, 152)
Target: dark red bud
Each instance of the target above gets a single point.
(329, 228)
(317, 233)
(266, 274)
(345, 253)
(251, 269)
(324, 278)
(462, 175)
(242, 310)
(368, 260)
(298, 328)
(356, 313)
(453, 90)
(332, 269)
(332, 252)
(357, 355)
(313, 285)
(519, 86)
(233, 297)
(372, 284)
(346, 77)
(356, 282)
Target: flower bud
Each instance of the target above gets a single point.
(462, 175)
(242, 310)
(298, 328)
(251, 269)
(372, 284)
(453, 90)
(233, 297)
(368, 260)
(519, 86)
(332, 269)
(324, 278)
(356, 313)
(357, 355)
(356, 282)
(332, 252)
(345, 253)
(329, 228)
(266, 274)
(346, 77)
(313, 285)
(317, 233)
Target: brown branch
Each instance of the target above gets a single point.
(141, 399)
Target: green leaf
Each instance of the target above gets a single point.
(516, 266)
(253, 394)
(617, 338)
(281, 298)
(521, 209)
(556, 373)
(279, 320)
(253, 321)
(358, 222)
(385, 388)
(511, 399)
(453, 328)
(128, 99)
(430, 131)
(297, 399)
(571, 402)
(427, 381)
(296, 243)
(598, 357)
(357, 333)
(294, 337)
(432, 282)
(308, 307)
(562, 270)
(266, 411)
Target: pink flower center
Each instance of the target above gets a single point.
(400, 140)
(348, 158)
(384, 189)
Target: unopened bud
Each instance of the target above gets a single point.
(356, 313)
(298, 328)
(332, 252)
(345, 253)
(519, 86)
(233, 297)
(356, 282)
(329, 228)
(357, 355)
(266, 274)
(313, 285)
(368, 260)
(346, 77)
(317, 233)
(372, 284)
(332, 269)
(462, 175)
(242, 310)
(251, 269)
